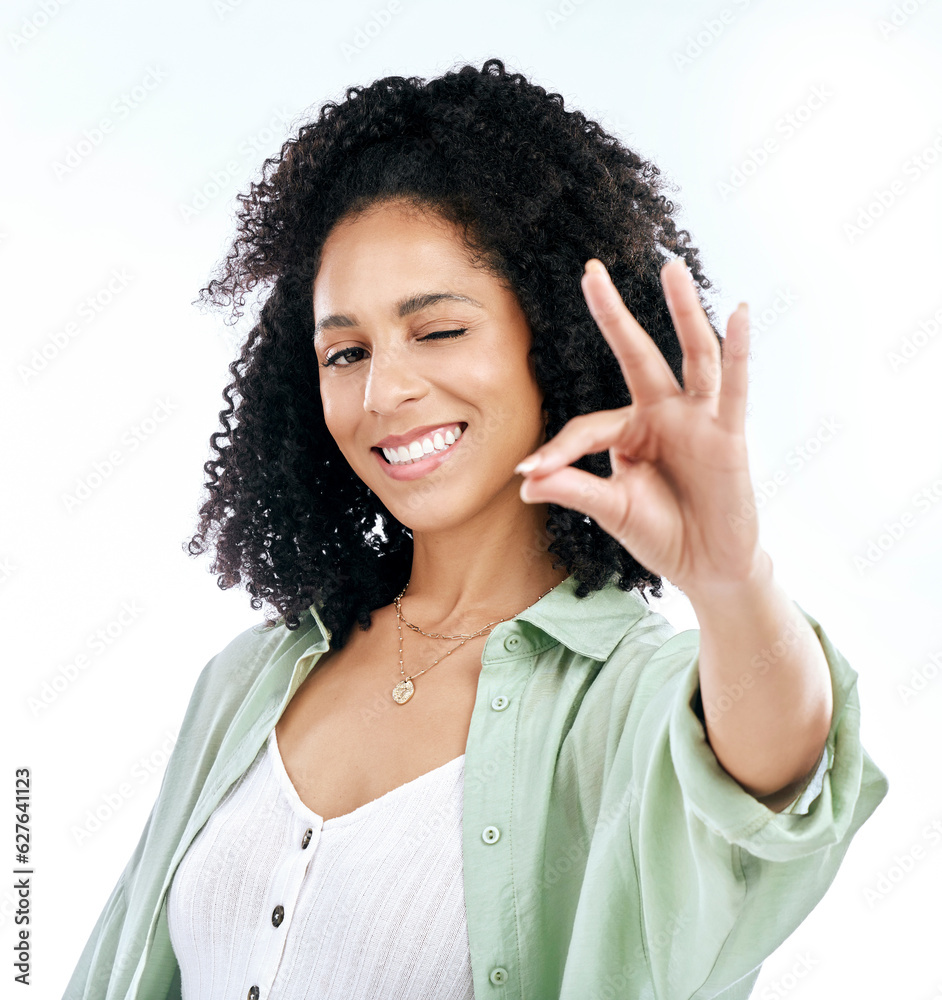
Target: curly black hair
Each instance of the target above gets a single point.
(534, 191)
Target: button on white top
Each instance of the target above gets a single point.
(271, 897)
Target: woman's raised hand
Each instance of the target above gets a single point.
(680, 477)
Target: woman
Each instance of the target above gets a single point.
(511, 779)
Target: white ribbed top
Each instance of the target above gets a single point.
(373, 906)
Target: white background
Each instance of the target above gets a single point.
(109, 246)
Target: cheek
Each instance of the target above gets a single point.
(507, 396)
(336, 415)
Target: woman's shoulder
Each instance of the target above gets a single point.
(231, 672)
(631, 625)
(644, 651)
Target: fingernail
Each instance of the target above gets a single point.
(594, 265)
(745, 308)
(527, 465)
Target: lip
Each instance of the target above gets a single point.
(395, 440)
(423, 466)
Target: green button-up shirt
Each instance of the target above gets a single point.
(606, 852)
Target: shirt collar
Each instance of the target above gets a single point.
(591, 626)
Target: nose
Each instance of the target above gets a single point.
(392, 379)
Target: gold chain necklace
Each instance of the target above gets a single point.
(404, 689)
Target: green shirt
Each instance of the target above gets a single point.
(606, 852)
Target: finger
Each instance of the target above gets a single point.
(585, 434)
(731, 414)
(645, 370)
(597, 497)
(701, 350)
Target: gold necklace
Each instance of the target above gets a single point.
(404, 689)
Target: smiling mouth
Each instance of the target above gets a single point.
(438, 443)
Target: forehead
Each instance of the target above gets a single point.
(391, 242)
(392, 260)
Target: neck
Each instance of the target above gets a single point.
(469, 575)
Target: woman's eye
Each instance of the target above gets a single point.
(436, 335)
(444, 333)
(332, 360)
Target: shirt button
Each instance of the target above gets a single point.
(500, 703)
(498, 975)
(253, 993)
(511, 642)
(490, 835)
(306, 839)
(277, 915)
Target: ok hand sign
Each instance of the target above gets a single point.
(680, 475)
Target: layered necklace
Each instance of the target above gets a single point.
(404, 690)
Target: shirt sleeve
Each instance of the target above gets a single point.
(120, 936)
(99, 959)
(723, 879)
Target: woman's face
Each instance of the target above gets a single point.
(390, 283)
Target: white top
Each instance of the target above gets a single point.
(272, 902)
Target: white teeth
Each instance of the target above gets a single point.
(419, 449)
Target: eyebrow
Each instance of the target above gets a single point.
(404, 307)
